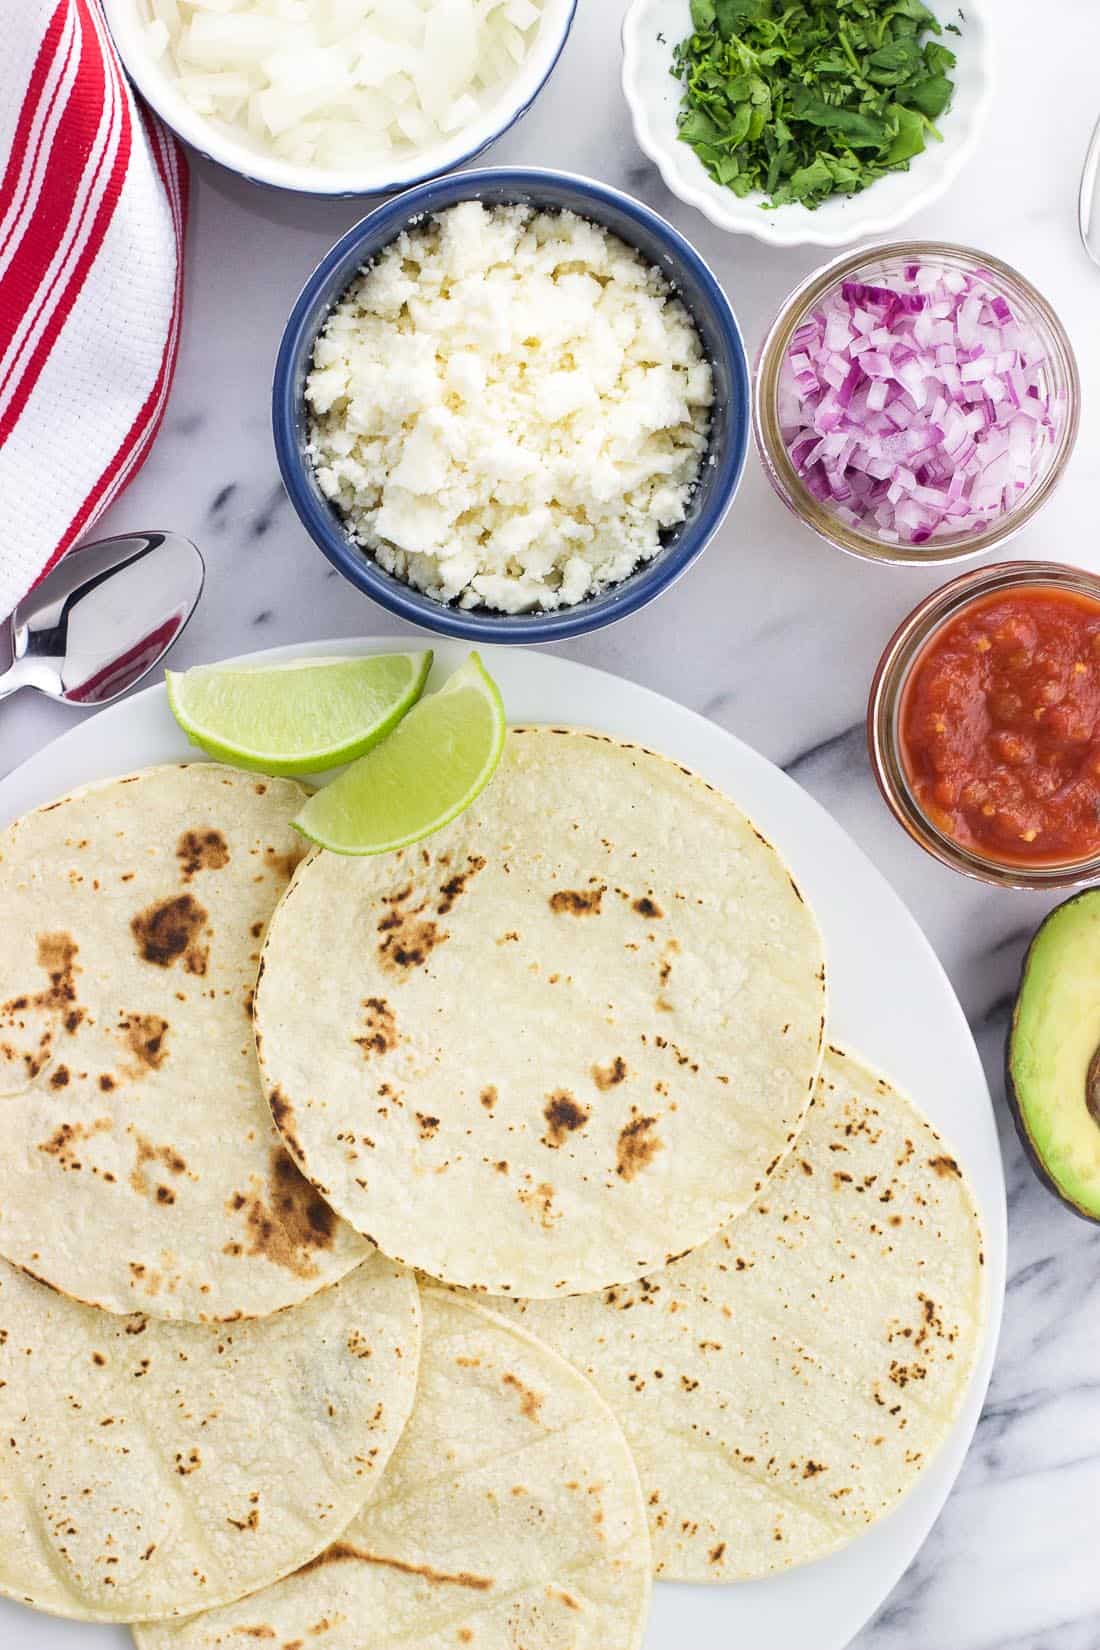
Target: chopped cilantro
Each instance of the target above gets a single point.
(803, 99)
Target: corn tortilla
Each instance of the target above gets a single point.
(563, 1040)
(510, 1516)
(151, 1468)
(139, 1169)
(783, 1386)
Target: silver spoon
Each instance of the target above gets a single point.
(103, 618)
(1088, 202)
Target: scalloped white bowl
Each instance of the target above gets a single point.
(651, 28)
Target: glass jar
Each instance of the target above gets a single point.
(903, 652)
(880, 265)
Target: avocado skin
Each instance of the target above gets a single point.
(1031, 1147)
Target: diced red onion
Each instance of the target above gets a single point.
(918, 409)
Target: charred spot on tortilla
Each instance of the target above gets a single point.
(59, 1077)
(637, 1145)
(33, 1062)
(57, 954)
(344, 1551)
(539, 1201)
(67, 1136)
(380, 1034)
(144, 1036)
(249, 1520)
(283, 1113)
(284, 865)
(647, 907)
(563, 1117)
(145, 1153)
(202, 850)
(945, 1167)
(488, 1097)
(408, 939)
(292, 1220)
(170, 930)
(426, 1125)
(607, 1077)
(578, 902)
(530, 1402)
(455, 886)
(144, 1278)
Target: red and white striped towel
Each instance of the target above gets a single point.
(93, 201)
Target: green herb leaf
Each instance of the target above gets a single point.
(893, 64)
(910, 138)
(733, 13)
(939, 59)
(862, 131)
(804, 99)
(916, 11)
(931, 96)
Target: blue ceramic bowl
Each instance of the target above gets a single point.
(661, 245)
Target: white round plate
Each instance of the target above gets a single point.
(651, 28)
(890, 1001)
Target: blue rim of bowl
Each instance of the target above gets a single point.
(639, 588)
(403, 183)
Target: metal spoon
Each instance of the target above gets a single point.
(103, 618)
(1088, 202)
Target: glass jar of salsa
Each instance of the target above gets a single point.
(984, 725)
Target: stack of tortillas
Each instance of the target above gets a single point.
(561, 1054)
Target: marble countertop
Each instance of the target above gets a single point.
(775, 637)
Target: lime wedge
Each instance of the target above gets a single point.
(441, 757)
(298, 717)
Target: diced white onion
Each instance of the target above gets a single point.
(335, 83)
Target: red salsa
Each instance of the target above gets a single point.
(1000, 727)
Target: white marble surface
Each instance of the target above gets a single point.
(774, 636)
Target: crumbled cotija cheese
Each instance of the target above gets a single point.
(508, 408)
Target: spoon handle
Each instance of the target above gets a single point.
(25, 672)
(12, 680)
(1086, 201)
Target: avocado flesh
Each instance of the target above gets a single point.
(1055, 1036)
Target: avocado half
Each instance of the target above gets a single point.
(1053, 1057)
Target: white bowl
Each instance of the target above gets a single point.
(155, 80)
(651, 29)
